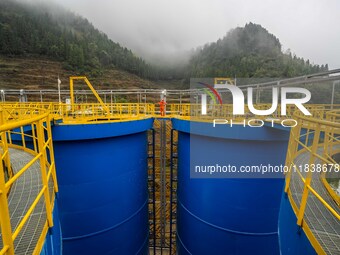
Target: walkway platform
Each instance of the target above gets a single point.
(324, 226)
(21, 196)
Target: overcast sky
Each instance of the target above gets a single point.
(310, 28)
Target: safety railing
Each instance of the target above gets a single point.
(96, 112)
(38, 142)
(81, 113)
(333, 115)
(194, 111)
(320, 139)
(20, 111)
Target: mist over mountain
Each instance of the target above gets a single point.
(30, 28)
(249, 51)
(47, 29)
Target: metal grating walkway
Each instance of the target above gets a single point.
(22, 194)
(324, 226)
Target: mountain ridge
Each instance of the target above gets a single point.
(50, 32)
(249, 51)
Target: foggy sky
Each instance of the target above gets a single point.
(166, 28)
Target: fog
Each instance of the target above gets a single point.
(166, 30)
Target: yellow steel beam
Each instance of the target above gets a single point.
(51, 150)
(309, 175)
(292, 150)
(330, 126)
(40, 144)
(72, 78)
(72, 93)
(43, 163)
(5, 221)
(17, 124)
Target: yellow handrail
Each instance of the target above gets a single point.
(42, 147)
(320, 146)
(75, 113)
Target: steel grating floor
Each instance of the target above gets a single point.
(22, 194)
(324, 226)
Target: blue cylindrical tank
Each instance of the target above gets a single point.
(103, 196)
(228, 215)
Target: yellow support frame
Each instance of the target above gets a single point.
(227, 79)
(72, 79)
(291, 152)
(37, 119)
(309, 176)
(43, 164)
(5, 220)
(315, 125)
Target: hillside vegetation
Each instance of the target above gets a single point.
(247, 52)
(38, 42)
(53, 32)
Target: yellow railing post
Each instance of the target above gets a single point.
(96, 95)
(43, 166)
(105, 108)
(51, 150)
(5, 221)
(307, 136)
(331, 142)
(309, 174)
(327, 143)
(23, 137)
(34, 138)
(71, 94)
(291, 151)
(7, 159)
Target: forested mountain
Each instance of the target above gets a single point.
(49, 30)
(249, 51)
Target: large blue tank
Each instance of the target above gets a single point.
(237, 214)
(103, 196)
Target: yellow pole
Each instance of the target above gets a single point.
(97, 96)
(91, 88)
(327, 142)
(72, 94)
(34, 138)
(5, 221)
(309, 175)
(291, 151)
(50, 146)
(43, 166)
(7, 158)
(23, 137)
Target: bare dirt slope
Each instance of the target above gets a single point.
(38, 74)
